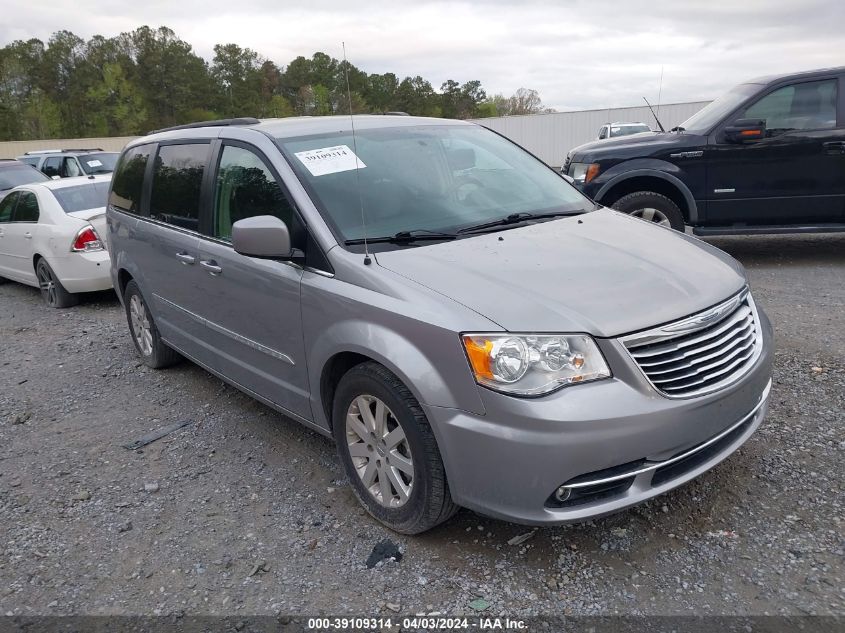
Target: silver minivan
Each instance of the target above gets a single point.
(470, 329)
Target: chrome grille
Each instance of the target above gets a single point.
(702, 353)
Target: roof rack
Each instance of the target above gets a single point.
(59, 151)
(246, 120)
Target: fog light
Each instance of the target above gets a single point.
(563, 493)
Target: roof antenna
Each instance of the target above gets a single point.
(654, 115)
(660, 90)
(367, 260)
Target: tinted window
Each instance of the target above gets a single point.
(52, 166)
(27, 209)
(806, 106)
(128, 181)
(80, 197)
(14, 175)
(7, 205)
(177, 180)
(245, 188)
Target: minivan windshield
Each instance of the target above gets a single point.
(714, 111)
(425, 178)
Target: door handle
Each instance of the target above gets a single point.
(185, 258)
(28, 235)
(211, 266)
(834, 148)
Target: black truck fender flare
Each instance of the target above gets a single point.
(654, 173)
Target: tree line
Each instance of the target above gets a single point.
(150, 78)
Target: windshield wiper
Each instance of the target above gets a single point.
(404, 237)
(514, 218)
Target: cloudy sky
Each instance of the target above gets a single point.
(576, 53)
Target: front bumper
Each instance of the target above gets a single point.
(615, 442)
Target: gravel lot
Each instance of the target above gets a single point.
(247, 512)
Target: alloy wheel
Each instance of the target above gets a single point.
(141, 329)
(650, 214)
(47, 284)
(380, 452)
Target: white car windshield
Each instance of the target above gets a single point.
(436, 178)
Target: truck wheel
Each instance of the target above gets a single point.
(651, 207)
(144, 332)
(389, 452)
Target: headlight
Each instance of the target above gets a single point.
(533, 364)
(583, 172)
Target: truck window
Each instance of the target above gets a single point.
(804, 106)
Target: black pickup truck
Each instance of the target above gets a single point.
(766, 157)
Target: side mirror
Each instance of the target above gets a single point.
(745, 130)
(262, 236)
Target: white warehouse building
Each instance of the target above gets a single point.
(551, 135)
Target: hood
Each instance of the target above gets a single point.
(634, 141)
(603, 273)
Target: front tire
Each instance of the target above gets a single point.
(144, 332)
(651, 207)
(52, 290)
(389, 452)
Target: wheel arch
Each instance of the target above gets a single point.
(348, 343)
(650, 180)
(123, 278)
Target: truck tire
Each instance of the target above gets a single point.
(651, 207)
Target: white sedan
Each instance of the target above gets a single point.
(52, 237)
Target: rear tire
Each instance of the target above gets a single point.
(144, 332)
(52, 290)
(389, 452)
(651, 207)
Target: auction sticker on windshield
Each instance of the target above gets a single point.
(329, 160)
(94, 163)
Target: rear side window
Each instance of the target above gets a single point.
(245, 188)
(177, 181)
(88, 196)
(128, 180)
(7, 205)
(27, 209)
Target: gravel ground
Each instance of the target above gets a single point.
(247, 512)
